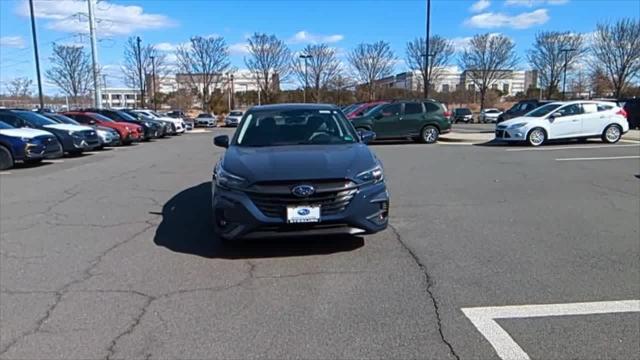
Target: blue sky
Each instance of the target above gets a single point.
(342, 23)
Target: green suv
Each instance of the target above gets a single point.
(423, 120)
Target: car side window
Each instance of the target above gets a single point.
(590, 108)
(412, 108)
(431, 107)
(569, 110)
(391, 110)
(603, 107)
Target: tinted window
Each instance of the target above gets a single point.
(391, 109)
(204, 116)
(10, 119)
(543, 110)
(412, 108)
(4, 125)
(431, 107)
(101, 117)
(63, 119)
(295, 127)
(604, 107)
(463, 111)
(235, 113)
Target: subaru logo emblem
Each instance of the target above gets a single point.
(303, 212)
(303, 190)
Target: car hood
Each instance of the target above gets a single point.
(520, 119)
(299, 162)
(68, 127)
(24, 132)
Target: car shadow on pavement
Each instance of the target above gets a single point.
(499, 143)
(185, 228)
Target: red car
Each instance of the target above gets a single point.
(363, 108)
(128, 132)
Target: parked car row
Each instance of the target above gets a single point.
(232, 119)
(31, 137)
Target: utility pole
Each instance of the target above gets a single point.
(306, 78)
(564, 80)
(426, 58)
(138, 41)
(153, 83)
(104, 81)
(35, 51)
(232, 94)
(97, 93)
(258, 82)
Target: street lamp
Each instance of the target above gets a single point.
(564, 81)
(153, 82)
(425, 79)
(306, 80)
(426, 63)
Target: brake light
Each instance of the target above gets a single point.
(447, 113)
(622, 112)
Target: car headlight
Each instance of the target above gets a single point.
(228, 180)
(25, 139)
(374, 175)
(517, 126)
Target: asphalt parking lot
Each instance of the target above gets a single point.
(493, 252)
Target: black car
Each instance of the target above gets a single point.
(462, 114)
(74, 139)
(166, 126)
(297, 169)
(520, 108)
(632, 108)
(151, 129)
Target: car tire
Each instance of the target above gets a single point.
(612, 134)
(429, 134)
(536, 136)
(6, 159)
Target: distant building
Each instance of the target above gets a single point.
(241, 81)
(120, 97)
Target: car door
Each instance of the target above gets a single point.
(594, 119)
(568, 123)
(412, 117)
(385, 123)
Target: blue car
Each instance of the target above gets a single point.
(295, 170)
(26, 145)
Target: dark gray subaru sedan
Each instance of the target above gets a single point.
(295, 170)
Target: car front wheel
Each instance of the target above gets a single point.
(536, 137)
(6, 159)
(612, 134)
(429, 134)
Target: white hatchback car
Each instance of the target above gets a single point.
(566, 120)
(179, 126)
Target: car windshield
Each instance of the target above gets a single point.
(125, 116)
(36, 119)
(63, 119)
(295, 127)
(374, 109)
(101, 117)
(349, 108)
(543, 110)
(491, 111)
(204, 116)
(4, 125)
(235, 113)
(463, 111)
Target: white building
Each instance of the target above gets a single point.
(241, 81)
(120, 97)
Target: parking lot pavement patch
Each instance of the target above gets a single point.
(484, 319)
(600, 158)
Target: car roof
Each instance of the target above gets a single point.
(293, 106)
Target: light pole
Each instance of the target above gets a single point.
(425, 79)
(564, 80)
(426, 62)
(306, 78)
(35, 52)
(259, 87)
(139, 55)
(94, 57)
(153, 82)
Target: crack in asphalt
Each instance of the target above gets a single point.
(429, 289)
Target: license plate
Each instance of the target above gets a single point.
(303, 214)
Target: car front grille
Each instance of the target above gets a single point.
(91, 137)
(51, 144)
(502, 134)
(273, 198)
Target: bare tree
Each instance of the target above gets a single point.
(616, 50)
(600, 83)
(322, 68)
(204, 61)
(140, 62)
(371, 62)
(270, 59)
(19, 87)
(70, 70)
(548, 57)
(488, 58)
(579, 84)
(440, 50)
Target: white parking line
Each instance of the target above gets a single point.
(483, 318)
(575, 147)
(600, 158)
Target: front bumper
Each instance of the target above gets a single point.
(236, 216)
(506, 134)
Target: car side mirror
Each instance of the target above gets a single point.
(555, 115)
(379, 116)
(221, 141)
(366, 136)
(92, 122)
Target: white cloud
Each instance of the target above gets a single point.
(462, 43)
(480, 5)
(12, 42)
(239, 48)
(532, 3)
(303, 37)
(521, 21)
(112, 19)
(165, 46)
